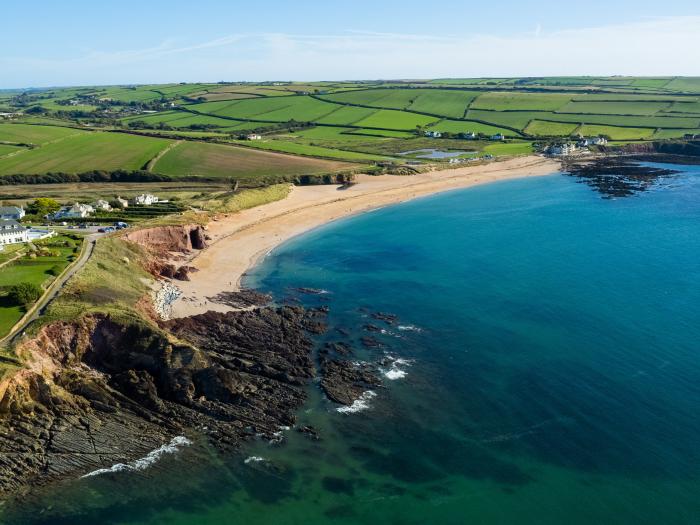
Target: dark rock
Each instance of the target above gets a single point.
(345, 381)
(309, 432)
(372, 328)
(387, 318)
(242, 298)
(371, 342)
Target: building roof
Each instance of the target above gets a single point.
(9, 209)
(10, 224)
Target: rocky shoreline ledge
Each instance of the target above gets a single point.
(99, 392)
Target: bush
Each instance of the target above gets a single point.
(54, 270)
(24, 294)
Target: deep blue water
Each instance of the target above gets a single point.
(550, 345)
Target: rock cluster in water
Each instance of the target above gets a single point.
(616, 176)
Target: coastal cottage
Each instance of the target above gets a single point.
(101, 205)
(561, 149)
(433, 134)
(12, 232)
(123, 202)
(598, 141)
(11, 212)
(470, 135)
(253, 136)
(498, 136)
(145, 199)
(77, 211)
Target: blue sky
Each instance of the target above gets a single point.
(79, 42)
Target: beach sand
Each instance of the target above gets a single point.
(239, 240)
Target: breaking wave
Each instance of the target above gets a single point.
(360, 404)
(143, 463)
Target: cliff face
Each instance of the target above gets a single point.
(170, 238)
(164, 241)
(96, 392)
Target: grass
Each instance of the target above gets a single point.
(35, 271)
(6, 150)
(346, 115)
(501, 101)
(616, 133)
(541, 128)
(33, 134)
(509, 149)
(227, 202)
(84, 152)
(674, 133)
(395, 120)
(615, 108)
(245, 164)
(310, 150)
(461, 126)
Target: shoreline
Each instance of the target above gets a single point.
(239, 241)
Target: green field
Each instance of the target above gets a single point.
(521, 101)
(311, 150)
(245, 164)
(616, 133)
(33, 270)
(84, 152)
(32, 134)
(615, 108)
(6, 150)
(466, 126)
(395, 120)
(539, 128)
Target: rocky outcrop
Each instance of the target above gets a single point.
(97, 392)
(169, 238)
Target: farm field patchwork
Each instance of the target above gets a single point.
(311, 150)
(615, 108)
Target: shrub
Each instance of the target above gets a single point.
(54, 270)
(23, 294)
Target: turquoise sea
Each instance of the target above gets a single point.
(544, 369)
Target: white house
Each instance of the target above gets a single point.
(145, 199)
(77, 211)
(470, 135)
(253, 136)
(101, 205)
(598, 141)
(124, 203)
(12, 232)
(498, 136)
(433, 134)
(11, 212)
(561, 149)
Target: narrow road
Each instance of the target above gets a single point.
(39, 308)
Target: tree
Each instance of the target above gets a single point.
(43, 206)
(24, 294)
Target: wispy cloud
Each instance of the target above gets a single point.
(654, 46)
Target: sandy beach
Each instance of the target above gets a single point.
(239, 240)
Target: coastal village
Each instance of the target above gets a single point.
(13, 231)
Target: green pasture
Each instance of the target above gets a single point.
(34, 134)
(246, 164)
(84, 152)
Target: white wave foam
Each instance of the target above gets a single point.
(395, 372)
(254, 459)
(149, 459)
(409, 328)
(360, 404)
